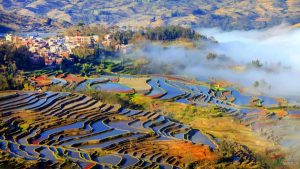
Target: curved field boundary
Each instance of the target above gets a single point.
(73, 121)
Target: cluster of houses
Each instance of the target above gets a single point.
(51, 51)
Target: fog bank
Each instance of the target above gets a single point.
(275, 45)
(277, 50)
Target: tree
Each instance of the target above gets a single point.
(18, 80)
(3, 82)
(13, 59)
(257, 64)
(123, 37)
(85, 68)
(170, 33)
(99, 69)
(22, 58)
(211, 56)
(28, 87)
(84, 53)
(80, 24)
(11, 54)
(256, 84)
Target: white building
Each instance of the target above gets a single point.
(9, 37)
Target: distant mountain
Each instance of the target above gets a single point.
(227, 14)
(10, 21)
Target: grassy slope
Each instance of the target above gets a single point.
(213, 122)
(227, 14)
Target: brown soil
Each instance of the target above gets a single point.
(186, 151)
(138, 84)
(43, 81)
(74, 79)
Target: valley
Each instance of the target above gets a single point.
(174, 84)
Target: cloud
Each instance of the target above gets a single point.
(277, 48)
(278, 44)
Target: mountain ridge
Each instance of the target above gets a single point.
(228, 14)
(10, 22)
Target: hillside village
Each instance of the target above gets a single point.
(149, 84)
(51, 51)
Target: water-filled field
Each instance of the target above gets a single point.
(70, 126)
(73, 126)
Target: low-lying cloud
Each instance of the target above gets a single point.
(277, 49)
(275, 45)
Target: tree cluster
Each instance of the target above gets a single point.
(126, 35)
(169, 33)
(123, 37)
(13, 61)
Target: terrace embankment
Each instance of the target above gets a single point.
(181, 110)
(216, 123)
(138, 84)
(39, 125)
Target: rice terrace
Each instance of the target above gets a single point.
(149, 84)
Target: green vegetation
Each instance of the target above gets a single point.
(92, 68)
(124, 100)
(235, 155)
(84, 53)
(211, 56)
(107, 97)
(168, 33)
(235, 139)
(125, 36)
(87, 60)
(9, 162)
(164, 33)
(13, 61)
(18, 57)
(257, 63)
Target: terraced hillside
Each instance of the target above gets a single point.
(52, 127)
(76, 124)
(261, 113)
(228, 14)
